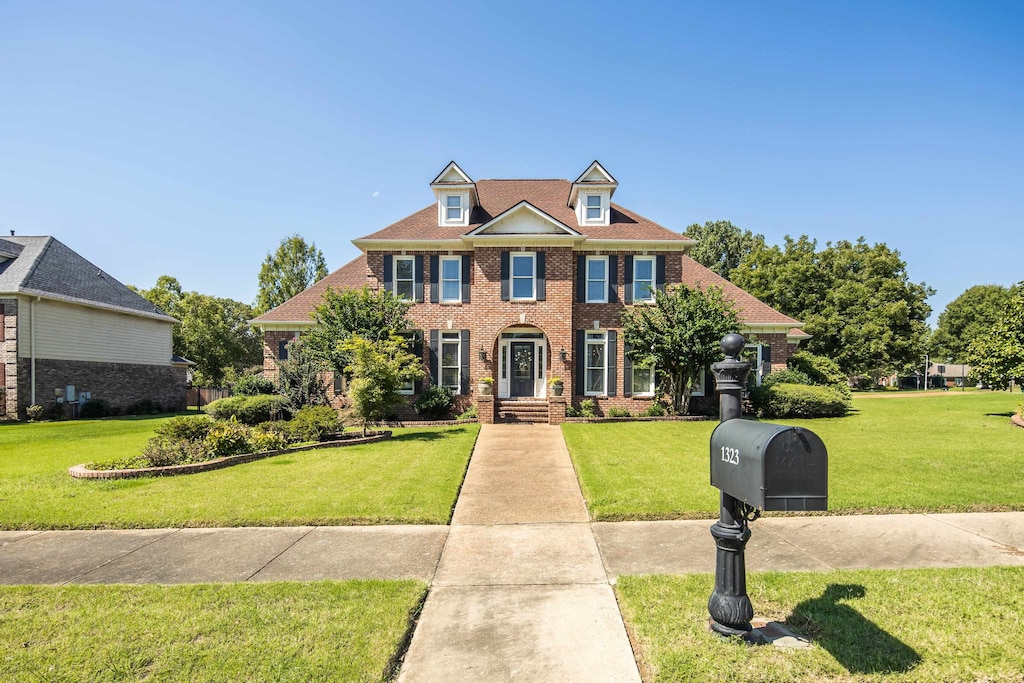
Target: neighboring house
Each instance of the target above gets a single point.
(947, 375)
(524, 280)
(67, 327)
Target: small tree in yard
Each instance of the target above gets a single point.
(378, 370)
(300, 378)
(680, 335)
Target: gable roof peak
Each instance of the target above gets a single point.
(452, 175)
(596, 176)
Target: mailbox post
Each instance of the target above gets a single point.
(729, 605)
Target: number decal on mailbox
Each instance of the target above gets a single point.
(731, 455)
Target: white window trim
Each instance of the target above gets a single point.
(698, 388)
(654, 279)
(441, 278)
(587, 280)
(756, 369)
(650, 389)
(587, 206)
(602, 218)
(449, 337)
(512, 276)
(442, 209)
(412, 280)
(587, 341)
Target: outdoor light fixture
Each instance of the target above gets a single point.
(482, 355)
(564, 355)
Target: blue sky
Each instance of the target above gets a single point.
(188, 138)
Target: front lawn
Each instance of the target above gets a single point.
(945, 452)
(919, 626)
(413, 478)
(337, 631)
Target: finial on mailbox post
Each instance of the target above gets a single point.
(729, 605)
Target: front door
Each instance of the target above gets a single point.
(522, 369)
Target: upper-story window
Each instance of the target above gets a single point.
(524, 276)
(453, 208)
(405, 277)
(643, 278)
(594, 208)
(451, 278)
(597, 279)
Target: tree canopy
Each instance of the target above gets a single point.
(968, 317)
(379, 369)
(288, 271)
(721, 245)
(997, 357)
(374, 315)
(680, 335)
(855, 298)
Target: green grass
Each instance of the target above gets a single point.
(945, 451)
(413, 478)
(917, 626)
(338, 631)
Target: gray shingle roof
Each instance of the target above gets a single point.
(47, 266)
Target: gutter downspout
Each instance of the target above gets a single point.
(32, 347)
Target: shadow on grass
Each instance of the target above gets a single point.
(429, 436)
(89, 420)
(857, 643)
(1008, 413)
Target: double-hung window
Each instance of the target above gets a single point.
(450, 360)
(596, 363)
(451, 278)
(453, 207)
(597, 279)
(643, 380)
(524, 272)
(593, 207)
(643, 278)
(405, 277)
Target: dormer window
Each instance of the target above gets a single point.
(453, 208)
(593, 207)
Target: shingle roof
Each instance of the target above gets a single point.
(46, 266)
(352, 275)
(750, 309)
(550, 196)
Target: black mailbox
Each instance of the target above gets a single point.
(770, 466)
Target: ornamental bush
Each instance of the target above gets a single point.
(788, 376)
(96, 407)
(618, 412)
(799, 400)
(185, 428)
(228, 438)
(435, 402)
(250, 410)
(253, 385)
(312, 422)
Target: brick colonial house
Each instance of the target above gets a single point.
(525, 280)
(67, 327)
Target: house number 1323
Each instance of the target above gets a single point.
(731, 455)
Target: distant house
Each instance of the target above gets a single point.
(67, 327)
(947, 375)
(526, 280)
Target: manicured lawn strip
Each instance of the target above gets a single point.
(413, 478)
(943, 452)
(339, 631)
(919, 625)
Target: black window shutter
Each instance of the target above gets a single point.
(389, 278)
(282, 349)
(542, 283)
(660, 272)
(613, 377)
(766, 357)
(464, 371)
(581, 279)
(613, 279)
(417, 350)
(434, 279)
(418, 275)
(627, 371)
(627, 279)
(581, 361)
(466, 265)
(504, 276)
(435, 354)
(338, 389)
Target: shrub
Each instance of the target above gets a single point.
(260, 440)
(312, 422)
(587, 408)
(468, 414)
(146, 406)
(821, 370)
(95, 407)
(799, 400)
(253, 385)
(161, 452)
(34, 412)
(435, 402)
(788, 376)
(618, 412)
(571, 411)
(250, 410)
(656, 409)
(185, 428)
(228, 438)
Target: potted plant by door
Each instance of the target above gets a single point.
(485, 385)
(557, 387)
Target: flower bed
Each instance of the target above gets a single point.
(643, 418)
(82, 472)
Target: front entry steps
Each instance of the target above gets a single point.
(523, 410)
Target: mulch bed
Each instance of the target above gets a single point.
(667, 418)
(81, 472)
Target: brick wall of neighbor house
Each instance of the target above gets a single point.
(120, 384)
(9, 358)
(271, 340)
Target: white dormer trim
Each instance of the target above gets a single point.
(452, 181)
(596, 177)
(465, 207)
(593, 207)
(451, 174)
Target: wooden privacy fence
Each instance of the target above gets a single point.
(201, 397)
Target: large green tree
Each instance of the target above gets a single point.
(213, 332)
(997, 357)
(289, 270)
(373, 314)
(968, 317)
(856, 299)
(680, 335)
(721, 245)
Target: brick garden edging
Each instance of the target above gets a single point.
(645, 418)
(428, 423)
(1017, 420)
(80, 471)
